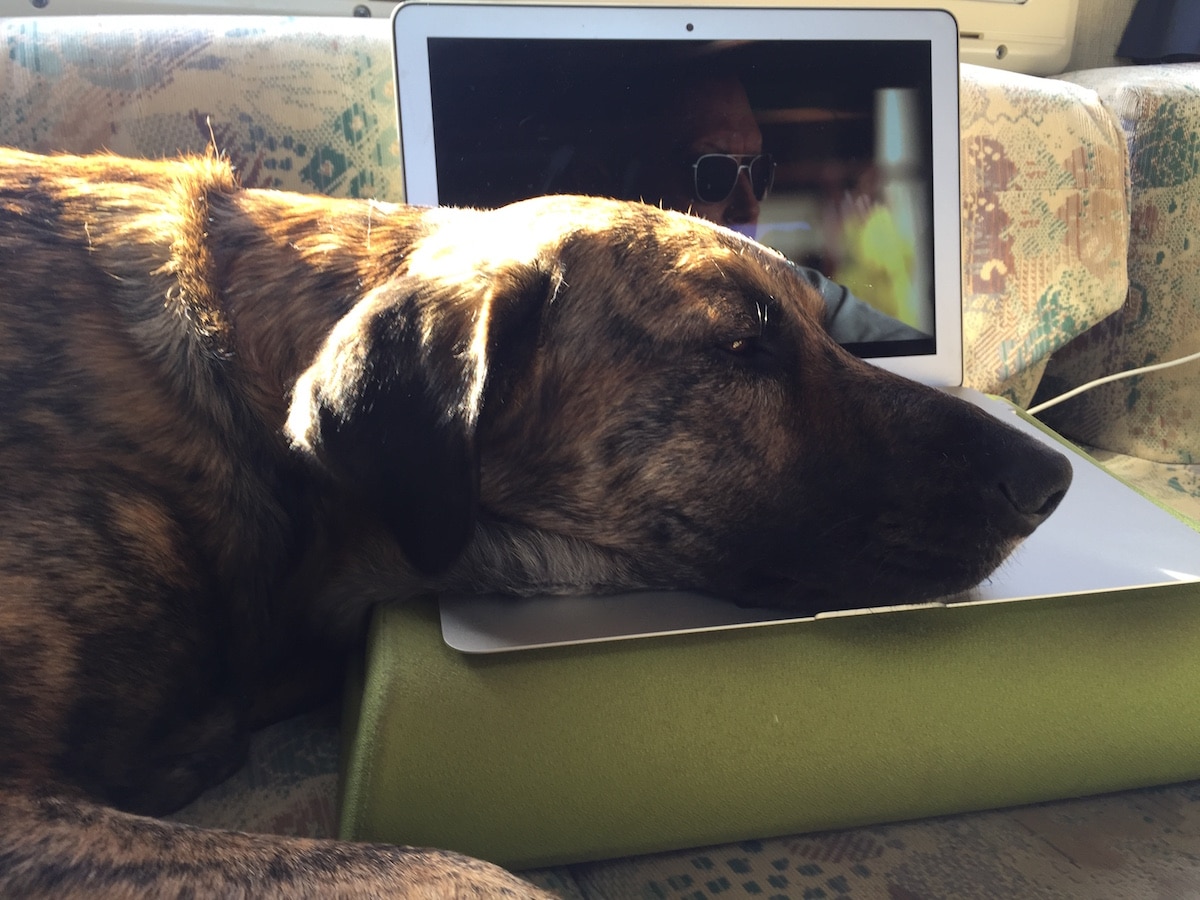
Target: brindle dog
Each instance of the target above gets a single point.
(233, 420)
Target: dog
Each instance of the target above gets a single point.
(235, 420)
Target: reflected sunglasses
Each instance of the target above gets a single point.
(715, 175)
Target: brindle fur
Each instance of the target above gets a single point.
(233, 420)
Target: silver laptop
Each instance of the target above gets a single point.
(499, 102)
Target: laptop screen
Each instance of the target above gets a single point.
(822, 134)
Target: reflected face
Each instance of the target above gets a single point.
(712, 115)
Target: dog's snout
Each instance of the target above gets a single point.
(1031, 485)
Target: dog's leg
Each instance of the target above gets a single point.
(66, 849)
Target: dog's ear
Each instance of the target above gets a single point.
(390, 405)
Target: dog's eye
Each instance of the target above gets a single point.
(747, 353)
(744, 346)
(753, 356)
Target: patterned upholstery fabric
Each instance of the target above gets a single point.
(1044, 221)
(1120, 847)
(307, 105)
(1175, 485)
(1148, 427)
(160, 86)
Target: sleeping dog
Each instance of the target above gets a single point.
(234, 420)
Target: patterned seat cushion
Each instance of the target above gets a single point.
(1155, 417)
(300, 104)
(1044, 223)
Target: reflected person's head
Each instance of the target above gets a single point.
(702, 152)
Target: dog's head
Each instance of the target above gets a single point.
(663, 393)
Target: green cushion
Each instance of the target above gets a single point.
(559, 755)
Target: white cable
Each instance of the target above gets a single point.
(1054, 401)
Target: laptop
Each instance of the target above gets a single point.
(499, 102)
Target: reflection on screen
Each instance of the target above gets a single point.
(795, 143)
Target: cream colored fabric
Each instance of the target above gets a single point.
(1176, 485)
(301, 104)
(1044, 223)
(1155, 417)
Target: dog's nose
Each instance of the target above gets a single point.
(1030, 486)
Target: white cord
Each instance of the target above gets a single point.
(1054, 401)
